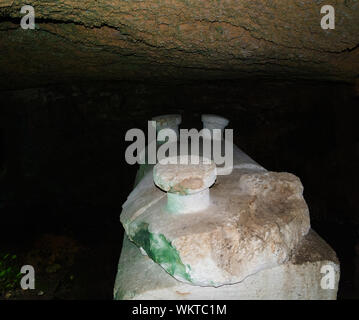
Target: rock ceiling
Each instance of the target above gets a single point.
(162, 40)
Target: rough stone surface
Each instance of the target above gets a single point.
(186, 178)
(177, 39)
(171, 121)
(140, 278)
(243, 231)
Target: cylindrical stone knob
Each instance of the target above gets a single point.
(168, 121)
(186, 179)
(212, 121)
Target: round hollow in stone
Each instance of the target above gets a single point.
(184, 174)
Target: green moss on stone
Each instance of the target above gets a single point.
(160, 250)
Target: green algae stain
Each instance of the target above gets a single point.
(161, 251)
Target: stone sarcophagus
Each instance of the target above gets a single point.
(192, 233)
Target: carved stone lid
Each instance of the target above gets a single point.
(167, 121)
(185, 174)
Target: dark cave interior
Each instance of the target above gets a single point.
(64, 176)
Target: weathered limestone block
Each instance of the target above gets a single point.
(237, 236)
(243, 231)
(139, 277)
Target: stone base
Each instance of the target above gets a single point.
(140, 278)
